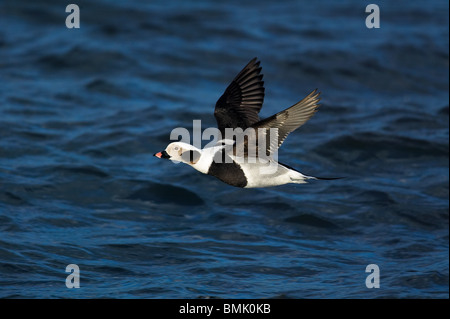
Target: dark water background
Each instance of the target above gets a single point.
(82, 111)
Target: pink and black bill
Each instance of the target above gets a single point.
(162, 154)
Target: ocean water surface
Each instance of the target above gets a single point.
(82, 111)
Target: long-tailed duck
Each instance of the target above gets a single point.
(247, 159)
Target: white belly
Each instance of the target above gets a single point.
(265, 174)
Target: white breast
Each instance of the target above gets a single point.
(206, 159)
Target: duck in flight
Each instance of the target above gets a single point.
(248, 160)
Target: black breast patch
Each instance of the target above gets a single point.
(225, 169)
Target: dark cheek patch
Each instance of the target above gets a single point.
(190, 156)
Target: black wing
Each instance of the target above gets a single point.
(288, 120)
(283, 122)
(240, 104)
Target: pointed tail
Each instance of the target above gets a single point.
(328, 178)
(304, 178)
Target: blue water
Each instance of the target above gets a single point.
(83, 110)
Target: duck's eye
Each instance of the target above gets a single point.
(176, 148)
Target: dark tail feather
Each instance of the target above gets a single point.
(328, 178)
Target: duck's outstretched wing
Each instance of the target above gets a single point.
(242, 100)
(283, 123)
